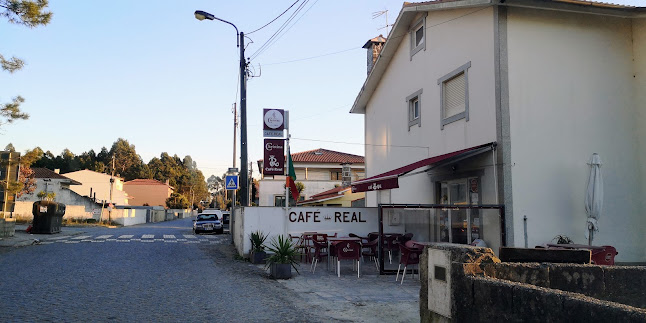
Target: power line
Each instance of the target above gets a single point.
(276, 34)
(313, 57)
(356, 143)
(267, 24)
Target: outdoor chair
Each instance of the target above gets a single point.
(409, 256)
(390, 243)
(363, 239)
(348, 250)
(405, 237)
(320, 251)
(299, 244)
(369, 249)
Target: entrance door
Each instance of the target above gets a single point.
(456, 225)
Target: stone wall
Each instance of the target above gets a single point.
(7, 227)
(482, 289)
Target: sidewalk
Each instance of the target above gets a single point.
(22, 238)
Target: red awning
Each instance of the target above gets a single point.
(390, 179)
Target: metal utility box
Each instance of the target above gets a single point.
(48, 217)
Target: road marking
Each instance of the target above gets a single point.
(148, 236)
(75, 241)
(105, 236)
(182, 239)
(126, 236)
(189, 236)
(169, 236)
(175, 241)
(80, 237)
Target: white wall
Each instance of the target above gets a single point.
(268, 188)
(572, 93)
(450, 43)
(274, 221)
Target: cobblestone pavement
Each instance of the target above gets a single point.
(98, 276)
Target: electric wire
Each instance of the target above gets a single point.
(290, 27)
(280, 29)
(267, 24)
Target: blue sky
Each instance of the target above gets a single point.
(149, 72)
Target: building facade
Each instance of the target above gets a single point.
(492, 102)
(148, 192)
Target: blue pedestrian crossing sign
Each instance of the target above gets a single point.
(231, 182)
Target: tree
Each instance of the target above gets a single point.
(26, 180)
(30, 13)
(126, 161)
(177, 201)
(10, 148)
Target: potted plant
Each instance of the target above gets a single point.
(258, 253)
(284, 256)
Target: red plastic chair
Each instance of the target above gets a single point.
(369, 249)
(409, 256)
(348, 250)
(320, 251)
(390, 243)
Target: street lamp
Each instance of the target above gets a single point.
(244, 183)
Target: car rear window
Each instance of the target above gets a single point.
(207, 217)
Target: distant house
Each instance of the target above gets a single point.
(97, 186)
(148, 192)
(48, 181)
(319, 170)
(338, 196)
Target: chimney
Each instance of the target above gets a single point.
(374, 47)
(346, 174)
(57, 170)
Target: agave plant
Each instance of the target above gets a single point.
(257, 240)
(284, 252)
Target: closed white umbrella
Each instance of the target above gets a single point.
(593, 197)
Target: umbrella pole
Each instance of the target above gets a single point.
(590, 235)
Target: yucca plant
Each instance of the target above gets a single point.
(257, 240)
(284, 252)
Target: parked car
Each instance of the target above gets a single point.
(208, 222)
(226, 215)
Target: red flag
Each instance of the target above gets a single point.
(291, 179)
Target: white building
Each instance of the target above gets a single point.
(97, 185)
(319, 170)
(532, 87)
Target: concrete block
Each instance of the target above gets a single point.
(527, 273)
(625, 285)
(587, 309)
(536, 304)
(572, 256)
(584, 279)
(493, 300)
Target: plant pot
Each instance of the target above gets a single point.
(258, 257)
(281, 271)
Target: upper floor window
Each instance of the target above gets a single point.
(454, 96)
(336, 176)
(418, 37)
(414, 102)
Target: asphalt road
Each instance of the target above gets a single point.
(154, 272)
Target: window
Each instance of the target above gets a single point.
(336, 176)
(454, 96)
(418, 37)
(414, 102)
(279, 200)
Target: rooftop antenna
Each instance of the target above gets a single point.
(378, 14)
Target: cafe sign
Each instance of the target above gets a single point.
(328, 216)
(274, 157)
(273, 122)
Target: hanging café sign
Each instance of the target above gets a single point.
(274, 161)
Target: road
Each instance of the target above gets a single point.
(158, 272)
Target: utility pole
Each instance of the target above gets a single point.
(244, 187)
(111, 187)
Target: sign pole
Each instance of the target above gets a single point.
(287, 158)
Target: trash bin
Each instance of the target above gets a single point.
(48, 217)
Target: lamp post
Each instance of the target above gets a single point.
(244, 183)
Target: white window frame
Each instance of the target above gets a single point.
(441, 81)
(410, 100)
(414, 48)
